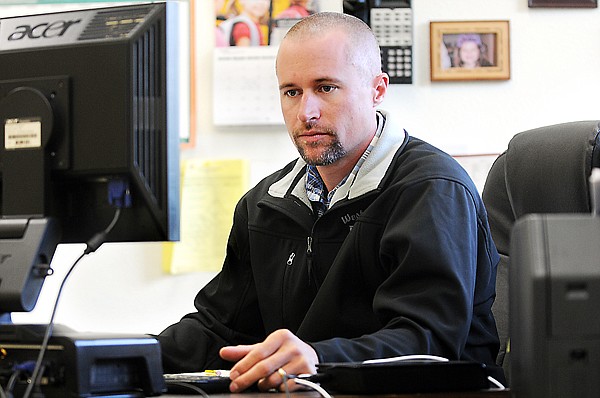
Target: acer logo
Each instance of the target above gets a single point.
(43, 30)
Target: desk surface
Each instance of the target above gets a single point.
(314, 394)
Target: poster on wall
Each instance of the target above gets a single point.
(247, 35)
(243, 23)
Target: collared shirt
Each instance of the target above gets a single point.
(315, 187)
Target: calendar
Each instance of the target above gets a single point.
(245, 89)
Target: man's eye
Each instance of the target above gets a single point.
(291, 93)
(327, 89)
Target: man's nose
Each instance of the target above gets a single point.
(309, 108)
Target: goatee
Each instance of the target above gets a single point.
(331, 153)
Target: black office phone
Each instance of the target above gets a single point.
(392, 24)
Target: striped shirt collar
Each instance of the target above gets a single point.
(315, 187)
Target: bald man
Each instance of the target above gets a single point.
(372, 244)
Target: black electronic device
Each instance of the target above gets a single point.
(82, 364)
(90, 115)
(398, 377)
(88, 111)
(392, 24)
(554, 285)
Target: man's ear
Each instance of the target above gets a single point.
(380, 85)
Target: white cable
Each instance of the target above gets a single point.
(496, 383)
(188, 386)
(406, 358)
(39, 368)
(314, 386)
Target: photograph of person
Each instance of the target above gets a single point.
(296, 9)
(242, 23)
(470, 50)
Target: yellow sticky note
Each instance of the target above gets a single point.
(210, 189)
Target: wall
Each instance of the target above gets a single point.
(555, 75)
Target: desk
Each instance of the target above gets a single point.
(314, 394)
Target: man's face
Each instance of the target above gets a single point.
(327, 103)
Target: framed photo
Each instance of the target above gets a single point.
(469, 50)
(564, 3)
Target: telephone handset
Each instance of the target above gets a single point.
(391, 22)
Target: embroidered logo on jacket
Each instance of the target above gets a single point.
(351, 218)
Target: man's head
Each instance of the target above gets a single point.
(330, 82)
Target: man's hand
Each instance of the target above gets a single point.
(261, 362)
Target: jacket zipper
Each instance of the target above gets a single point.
(290, 260)
(309, 259)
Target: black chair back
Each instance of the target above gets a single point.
(544, 170)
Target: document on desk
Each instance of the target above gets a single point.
(210, 189)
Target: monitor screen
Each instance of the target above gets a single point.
(89, 105)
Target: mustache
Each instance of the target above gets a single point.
(313, 125)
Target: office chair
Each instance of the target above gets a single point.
(544, 170)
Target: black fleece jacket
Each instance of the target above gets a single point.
(402, 263)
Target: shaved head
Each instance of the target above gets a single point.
(330, 84)
(362, 49)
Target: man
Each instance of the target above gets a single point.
(373, 244)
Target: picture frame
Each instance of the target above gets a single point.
(470, 50)
(563, 3)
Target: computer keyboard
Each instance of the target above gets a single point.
(209, 382)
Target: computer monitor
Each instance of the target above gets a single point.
(89, 110)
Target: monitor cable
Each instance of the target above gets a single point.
(92, 245)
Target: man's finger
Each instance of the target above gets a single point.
(234, 353)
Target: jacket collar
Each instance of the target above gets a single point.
(368, 177)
